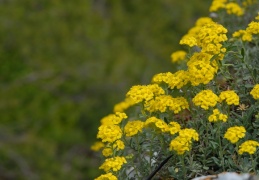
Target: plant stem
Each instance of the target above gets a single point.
(184, 176)
(220, 148)
(253, 163)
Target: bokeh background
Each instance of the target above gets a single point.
(64, 64)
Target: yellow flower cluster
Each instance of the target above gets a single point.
(255, 91)
(234, 133)
(140, 93)
(199, 23)
(97, 146)
(124, 105)
(207, 35)
(108, 176)
(161, 103)
(217, 4)
(119, 145)
(183, 142)
(114, 118)
(245, 36)
(107, 152)
(178, 79)
(231, 7)
(234, 8)
(113, 164)
(154, 122)
(253, 28)
(109, 132)
(248, 146)
(200, 72)
(217, 116)
(190, 38)
(178, 56)
(205, 99)
(210, 37)
(133, 127)
(172, 127)
(230, 97)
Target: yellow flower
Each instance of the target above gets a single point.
(178, 56)
(248, 146)
(245, 36)
(178, 79)
(234, 8)
(174, 127)
(113, 164)
(154, 122)
(217, 116)
(119, 145)
(161, 103)
(230, 97)
(255, 91)
(109, 132)
(133, 127)
(108, 176)
(180, 145)
(107, 152)
(114, 118)
(234, 133)
(124, 105)
(205, 99)
(183, 142)
(188, 40)
(97, 146)
(253, 28)
(144, 93)
(202, 21)
(200, 73)
(217, 4)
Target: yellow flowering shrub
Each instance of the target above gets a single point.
(200, 119)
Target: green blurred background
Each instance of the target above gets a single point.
(64, 64)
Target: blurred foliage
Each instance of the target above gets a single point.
(64, 64)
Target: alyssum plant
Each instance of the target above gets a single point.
(202, 119)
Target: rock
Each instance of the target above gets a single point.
(228, 176)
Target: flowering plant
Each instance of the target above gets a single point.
(202, 119)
